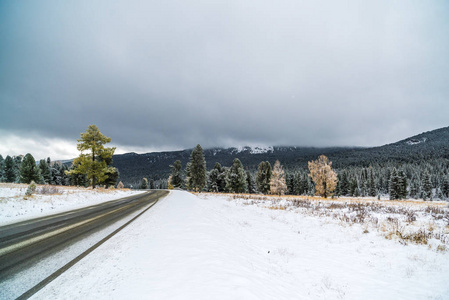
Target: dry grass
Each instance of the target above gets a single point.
(408, 221)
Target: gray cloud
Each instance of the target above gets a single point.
(171, 74)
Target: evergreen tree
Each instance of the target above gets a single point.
(402, 185)
(278, 185)
(76, 179)
(176, 175)
(29, 171)
(263, 177)
(372, 186)
(45, 171)
(426, 186)
(152, 184)
(144, 184)
(414, 188)
(112, 175)
(216, 181)
(1, 168)
(94, 163)
(9, 174)
(445, 187)
(290, 181)
(189, 178)
(344, 185)
(236, 181)
(353, 187)
(338, 187)
(197, 170)
(57, 174)
(17, 165)
(394, 185)
(250, 183)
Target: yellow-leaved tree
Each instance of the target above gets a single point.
(94, 163)
(323, 176)
(277, 181)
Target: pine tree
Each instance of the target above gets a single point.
(112, 174)
(394, 185)
(344, 185)
(57, 174)
(94, 163)
(152, 184)
(29, 171)
(45, 171)
(290, 181)
(176, 175)
(445, 187)
(263, 177)
(216, 180)
(197, 170)
(1, 168)
(278, 185)
(76, 179)
(189, 179)
(353, 187)
(402, 185)
(17, 164)
(372, 186)
(250, 183)
(426, 186)
(9, 173)
(144, 184)
(236, 181)
(323, 176)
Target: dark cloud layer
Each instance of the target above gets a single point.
(171, 74)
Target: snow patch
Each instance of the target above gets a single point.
(254, 149)
(415, 141)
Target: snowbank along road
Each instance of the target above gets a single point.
(25, 244)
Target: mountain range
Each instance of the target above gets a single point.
(156, 165)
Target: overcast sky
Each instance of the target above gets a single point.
(165, 75)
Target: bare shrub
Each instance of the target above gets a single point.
(49, 190)
(410, 216)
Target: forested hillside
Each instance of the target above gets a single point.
(426, 152)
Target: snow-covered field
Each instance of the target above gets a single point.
(217, 247)
(15, 206)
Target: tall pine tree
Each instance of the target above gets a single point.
(236, 181)
(426, 186)
(29, 171)
(250, 183)
(263, 177)
(45, 171)
(394, 185)
(94, 163)
(176, 175)
(196, 170)
(9, 173)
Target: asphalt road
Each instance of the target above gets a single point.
(25, 243)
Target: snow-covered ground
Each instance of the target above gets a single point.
(215, 247)
(16, 207)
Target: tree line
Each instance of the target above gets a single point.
(427, 180)
(92, 167)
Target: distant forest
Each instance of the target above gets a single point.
(421, 161)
